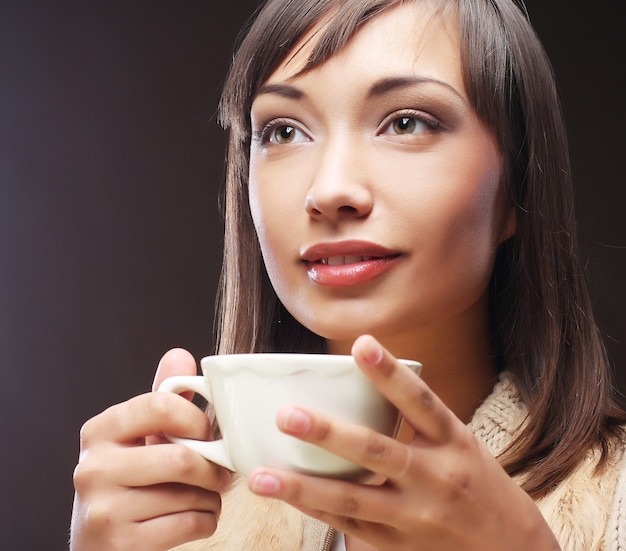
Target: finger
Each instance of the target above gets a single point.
(168, 499)
(152, 465)
(153, 413)
(173, 463)
(418, 404)
(142, 504)
(176, 529)
(161, 532)
(350, 508)
(372, 450)
(333, 497)
(174, 362)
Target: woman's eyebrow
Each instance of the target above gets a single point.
(378, 88)
(390, 84)
(285, 90)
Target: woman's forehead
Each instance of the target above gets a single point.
(408, 37)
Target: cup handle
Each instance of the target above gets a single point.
(215, 450)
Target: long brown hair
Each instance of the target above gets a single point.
(542, 323)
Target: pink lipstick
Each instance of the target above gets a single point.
(347, 263)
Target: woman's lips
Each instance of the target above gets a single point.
(347, 263)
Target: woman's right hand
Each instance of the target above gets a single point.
(134, 489)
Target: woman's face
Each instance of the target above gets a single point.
(374, 188)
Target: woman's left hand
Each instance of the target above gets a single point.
(441, 491)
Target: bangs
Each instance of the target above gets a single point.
(279, 32)
(340, 26)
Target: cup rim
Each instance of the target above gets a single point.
(335, 363)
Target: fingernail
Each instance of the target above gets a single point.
(373, 352)
(294, 421)
(265, 484)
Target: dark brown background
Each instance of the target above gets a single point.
(110, 169)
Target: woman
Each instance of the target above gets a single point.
(398, 185)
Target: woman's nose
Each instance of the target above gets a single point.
(339, 189)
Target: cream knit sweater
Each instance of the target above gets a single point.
(587, 511)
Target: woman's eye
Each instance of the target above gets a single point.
(284, 134)
(405, 125)
(281, 133)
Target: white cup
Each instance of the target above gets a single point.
(248, 390)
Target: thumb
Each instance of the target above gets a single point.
(174, 362)
(177, 361)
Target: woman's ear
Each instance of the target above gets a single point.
(509, 224)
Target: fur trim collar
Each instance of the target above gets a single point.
(586, 512)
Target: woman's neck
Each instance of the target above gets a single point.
(456, 354)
